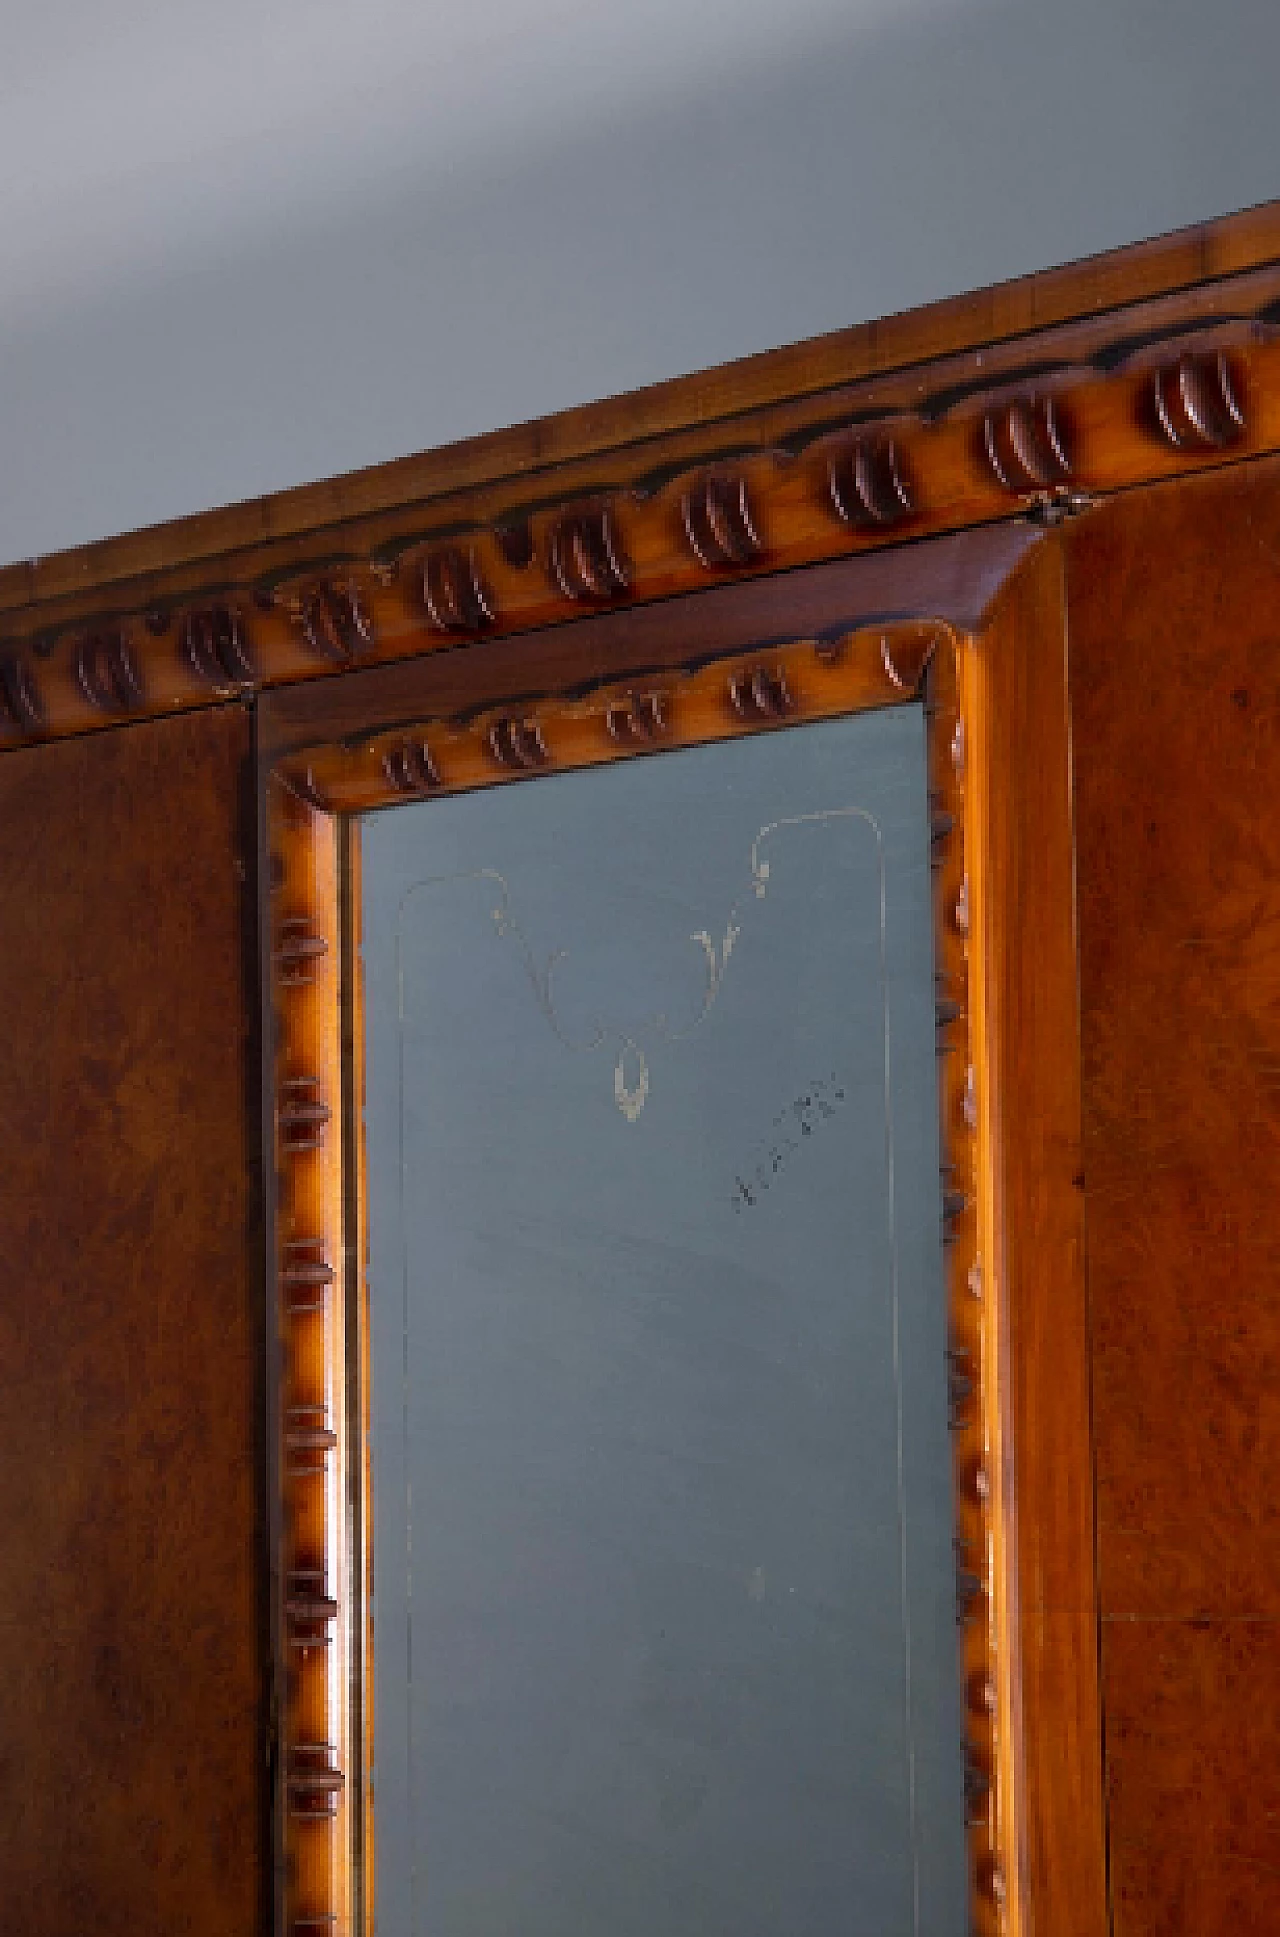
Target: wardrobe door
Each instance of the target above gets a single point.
(132, 1712)
(464, 849)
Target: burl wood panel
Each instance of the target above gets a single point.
(1193, 1749)
(1175, 670)
(132, 1714)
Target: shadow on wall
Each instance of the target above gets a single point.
(849, 180)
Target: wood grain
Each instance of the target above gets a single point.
(133, 1714)
(1176, 695)
(1193, 1741)
(1176, 702)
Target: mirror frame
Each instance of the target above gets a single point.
(504, 714)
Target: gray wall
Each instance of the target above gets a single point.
(243, 251)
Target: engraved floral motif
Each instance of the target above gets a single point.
(631, 1069)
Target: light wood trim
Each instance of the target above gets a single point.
(315, 1571)
(1023, 983)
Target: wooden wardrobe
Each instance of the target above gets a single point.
(1077, 476)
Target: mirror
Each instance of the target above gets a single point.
(664, 1605)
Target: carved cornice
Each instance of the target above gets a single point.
(1041, 440)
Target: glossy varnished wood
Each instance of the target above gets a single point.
(501, 712)
(1197, 257)
(953, 578)
(135, 1726)
(308, 793)
(302, 923)
(1176, 693)
(1041, 421)
(133, 1706)
(1032, 1088)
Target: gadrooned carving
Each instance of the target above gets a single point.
(19, 694)
(775, 505)
(410, 768)
(1199, 402)
(868, 480)
(638, 718)
(305, 1275)
(309, 1610)
(213, 641)
(335, 621)
(302, 1114)
(762, 694)
(716, 513)
(585, 558)
(308, 1440)
(518, 744)
(453, 592)
(105, 672)
(314, 1782)
(298, 949)
(1027, 442)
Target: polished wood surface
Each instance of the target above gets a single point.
(133, 1706)
(1032, 1090)
(1197, 257)
(313, 1280)
(1038, 426)
(136, 1731)
(504, 710)
(953, 578)
(1176, 697)
(1037, 422)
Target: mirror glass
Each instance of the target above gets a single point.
(664, 1619)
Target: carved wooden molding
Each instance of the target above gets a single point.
(1030, 439)
(937, 665)
(313, 1568)
(874, 665)
(308, 794)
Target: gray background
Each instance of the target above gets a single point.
(664, 1619)
(246, 245)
